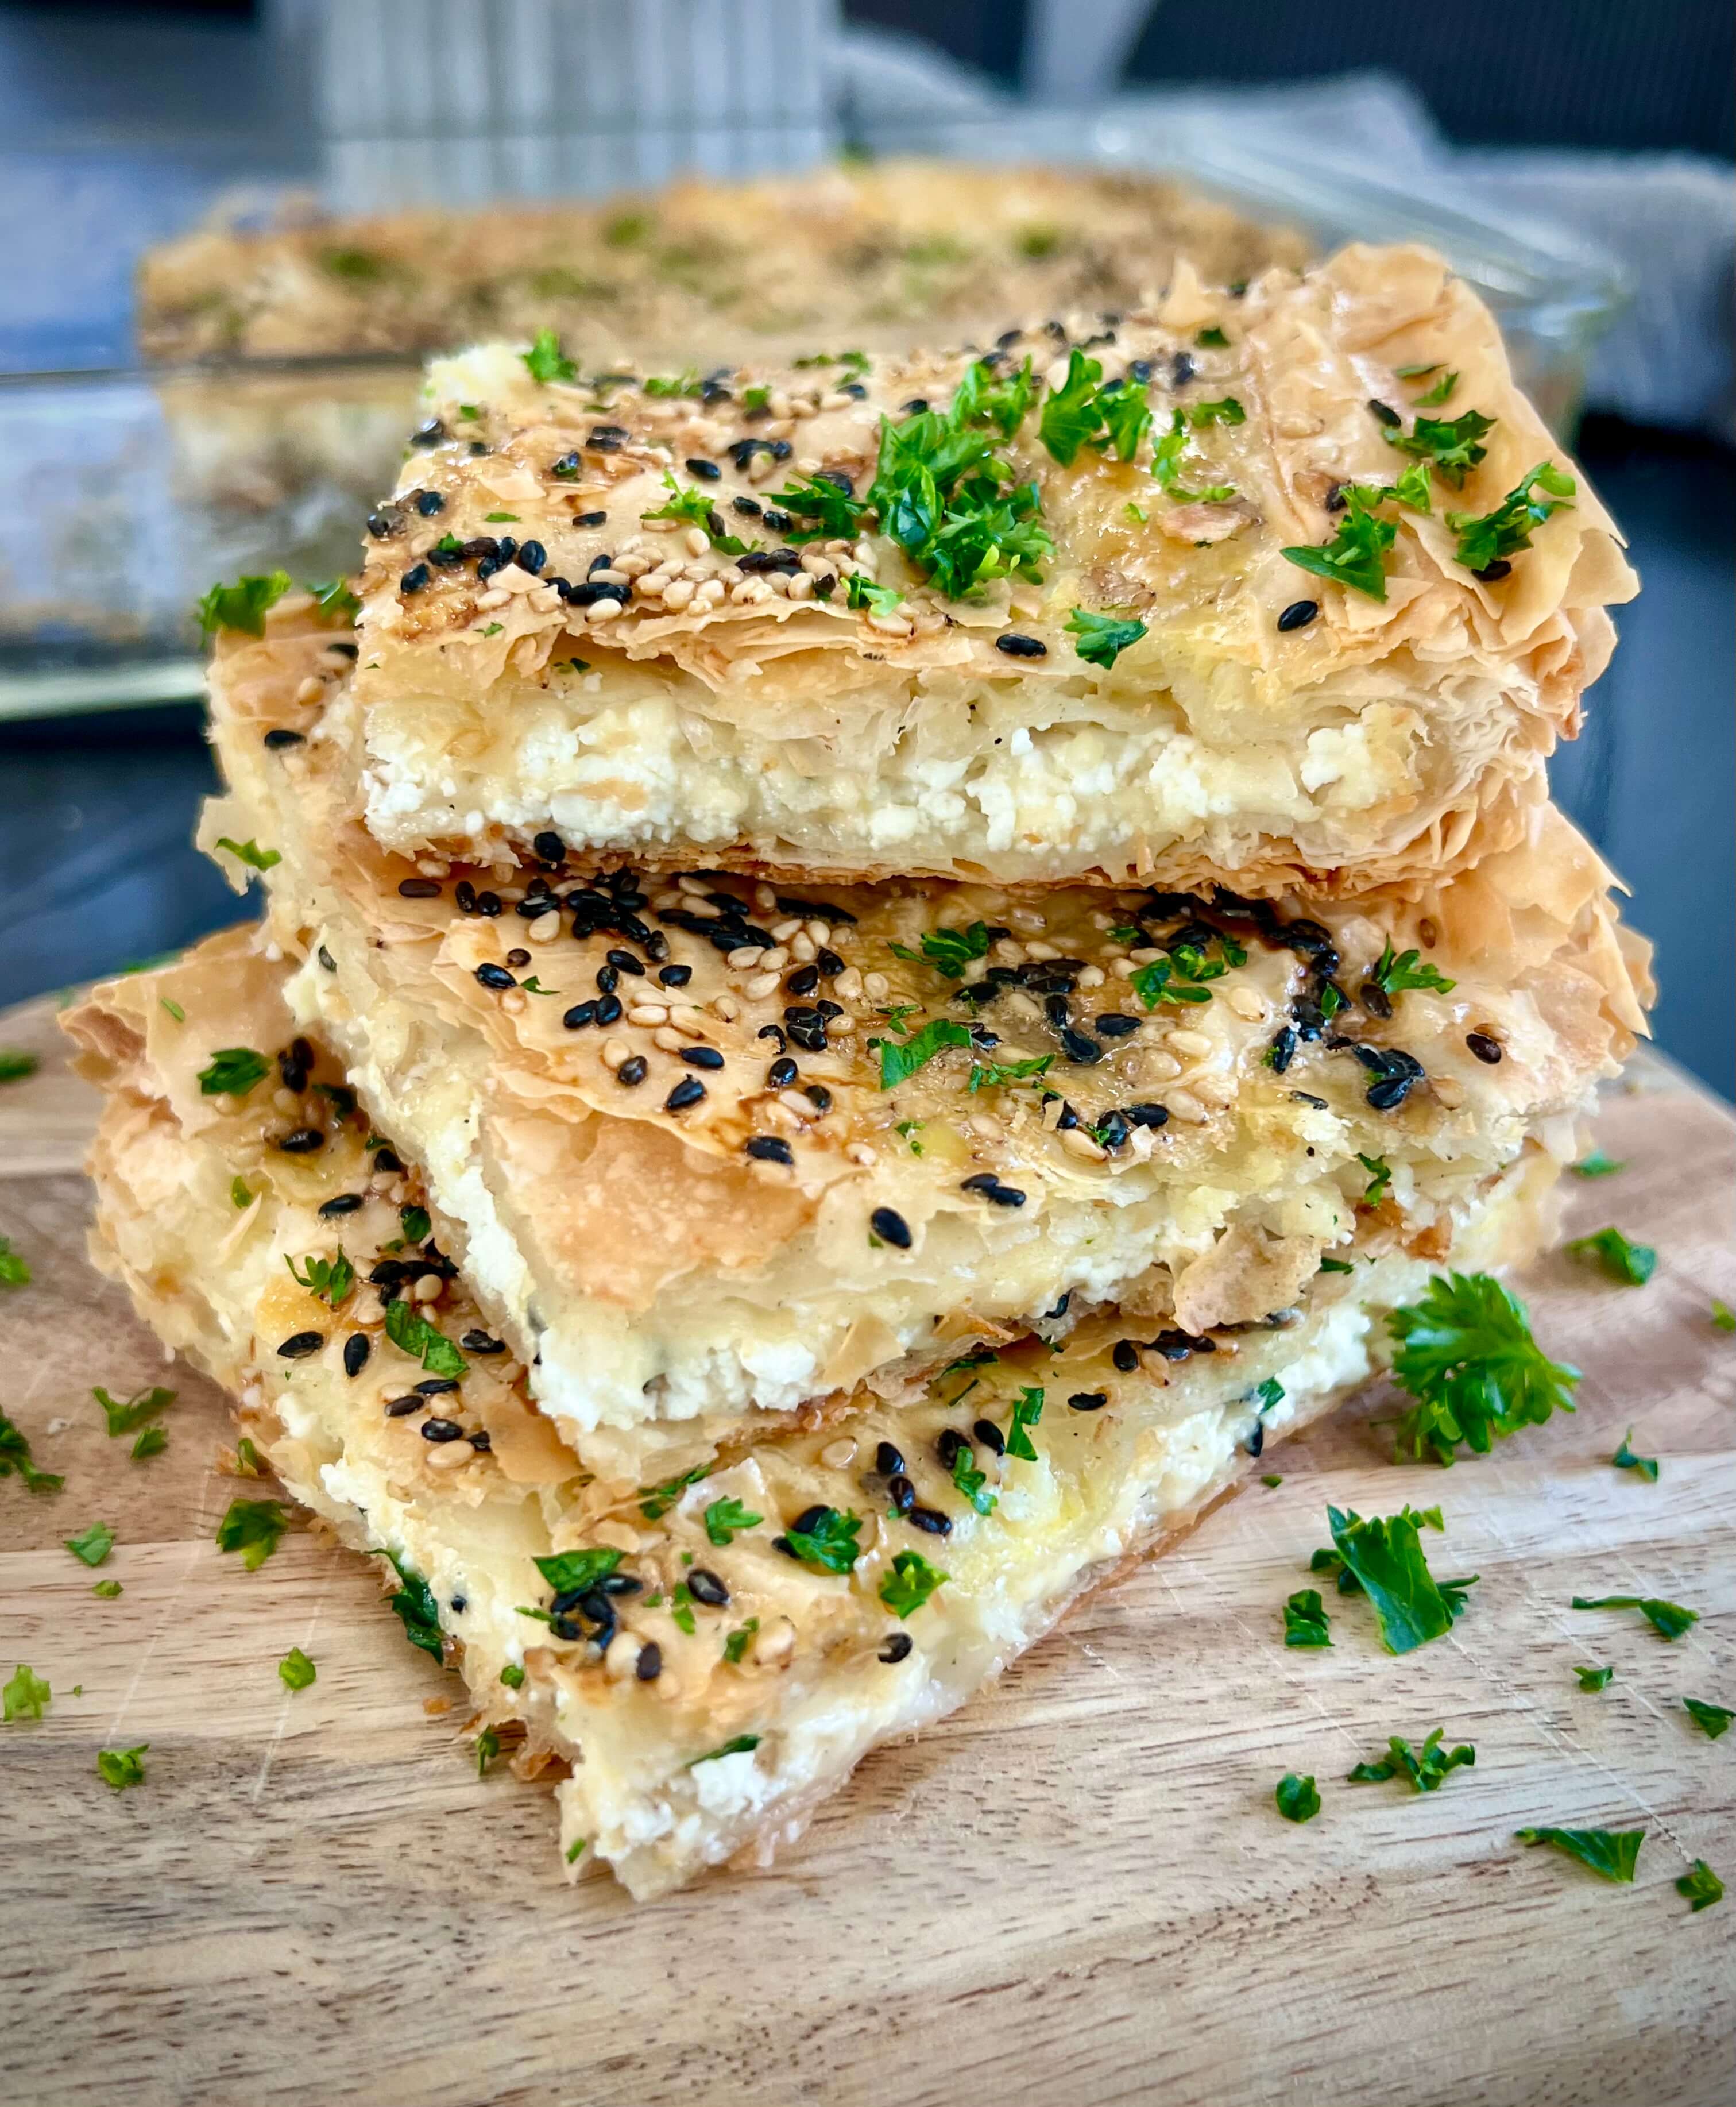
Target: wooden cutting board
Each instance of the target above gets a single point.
(1076, 1891)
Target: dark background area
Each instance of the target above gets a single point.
(96, 812)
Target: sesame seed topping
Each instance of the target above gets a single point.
(891, 1228)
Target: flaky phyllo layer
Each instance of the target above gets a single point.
(767, 624)
(704, 1146)
(698, 1660)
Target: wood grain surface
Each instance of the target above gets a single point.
(1077, 1891)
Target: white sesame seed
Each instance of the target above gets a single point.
(1161, 1067)
(1196, 1045)
(1247, 1003)
(848, 985)
(687, 1015)
(605, 610)
(1448, 1092)
(774, 1644)
(760, 986)
(630, 567)
(609, 576)
(840, 1454)
(710, 593)
(772, 960)
(765, 898)
(224, 1103)
(432, 866)
(1124, 969)
(492, 599)
(799, 587)
(820, 932)
(666, 899)
(614, 1052)
(1077, 1142)
(447, 1455)
(875, 986)
(1036, 951)
(1145, 955)
(310, 690)
(695, 888)
(803, 949)
(744, 960)
(1184, 1105)
(429, 1287)
(793, 1101)
(515, 1002)
(696, 541)
(676, 595)
(284, 1101)
(666, 1037)
(782, 931)
(545, 928)
(726, 1006)
(860, 1152)
(621, 1657)
(1091, 977)
(840, 1027)
(649, 1013)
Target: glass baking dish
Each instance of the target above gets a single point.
(135, 488)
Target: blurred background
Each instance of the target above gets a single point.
(1573, 158)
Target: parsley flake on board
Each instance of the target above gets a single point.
(1723, 1318)
(1428, 1769)
(1395, 975)
(14, 1065)
(1713, 1720)
(296, 1670)
(1466, 1354)
(1632, 1265)
(1227, 411)
(829, 1541)
(14, 1268)
(250, 853)
(1355, 555)
(108, 1589)
(411, 1333)
(1306, 1623)
(121, 1768)
(243, 606)
(15, 1457)
(723, 1518)
(91, 1545)
(909, 1585)
(1701, 1886)
(567, 1571)
(545, 360)
(127, 1416)
(233, 1072)
(1297, 1799)
(152, 1441)
(254, 1528)
(1668, 1618)
(332, 1280)
(1490, 537)
(26, 1694)
(1611, 1853)
(1101, 639)
(899, 1062)
(1384, 1558)
(1625, 1459)
(1594, 1678)
(1596, 1165)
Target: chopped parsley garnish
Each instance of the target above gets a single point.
(566, 1571)
(1701, 1886)
(655, 1501)
(829, 1543)
(1272, 1480)
(1101, 639)
(738, 1744)
(1631, 1264)
(414, 1225)
(1428, 1769)
(694, 507)
(488, 1749)
(411, 1333)
(332, 1280)
(1485, 538)
(1384, 1559)
(1081, 411)
(910, 1128)
(992, 1074)
(1625, 1459)
(1227, 411)
(233, 1072)
(250, 853)
(1379, 1178)
(909, 1585)
(14, 1456)
(121, 1768)
(1596, 1165)
(684, 382)
(1269, 1394)
(14, 1268)
(174, 1008)
(1451, 447)
(512, 1675)
(878, 600)
(1027, 1410)
(334, 601)
(739, 1641)
(1670, 1619)
(254, 1529)
(412, 1603)
(897, 1062)
(244, 605)
(1594, 1678)
(1355, 555)
(576, 1848)
(948, 951)
(14, 1065)
(1211, 340)
(723, 1518)
(1337, 1265)
(1723, 1318)
(128, 1417)
(1441, 392)
(971, 1481)
(238, 1193)
(26, 1695)
(1166, 466)
(1394, 975)
(247, 1463)
(1466, 1354)
(1298, 1801)
(1611, 1853)
(1306, 1623)
(546, 361)
(1713, 1720)
(835, 514)
(296, 1670)
(93, 1544)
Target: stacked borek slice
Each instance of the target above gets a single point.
(780, 1288)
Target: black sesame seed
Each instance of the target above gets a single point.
(1384, 414)
(621, 1584)
(688, 1091)
(1299, 614)
(440, 1430)
(414, 578)
(1022, 647)
(1304, 1098)
(991, 1436)
(888, 1461)
(428, 502)
(1116, 1024)
(817, 1095)
(1079, 1046)
(1126, 1356)
(707, 471)
(1283, 1049)
(608, 979)
(949, 1446)
(481, 1342)
(900, 1492)
(625, 962)
(549, 846)
(276, 741)
(1181, 369)
(779, 522)
(1485, 1047)
(891, 1227)
(991, 1189)
(1088, 1400)
(781, 1073)
(804, 980)
(1112, 1129)
(464, 893)
(931, 1519)
(356, 1348)
(419, 888)
(429, 434)
(401, 1407)
(608, 1009)
(676, 976)
(531, 557)
(300, 1344)
(492, 976)
(649, 1666)
(1493, 571)
(303, 1141)
(340, 1203)
(1257, 1439)
(581, 1014)
(384, 524)
(437, 1387)
(488, 904)
(768, 1148)
(632, 1072)
(897, 1647)
(704, 1586)
(388, 1160)
(1374, 998)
